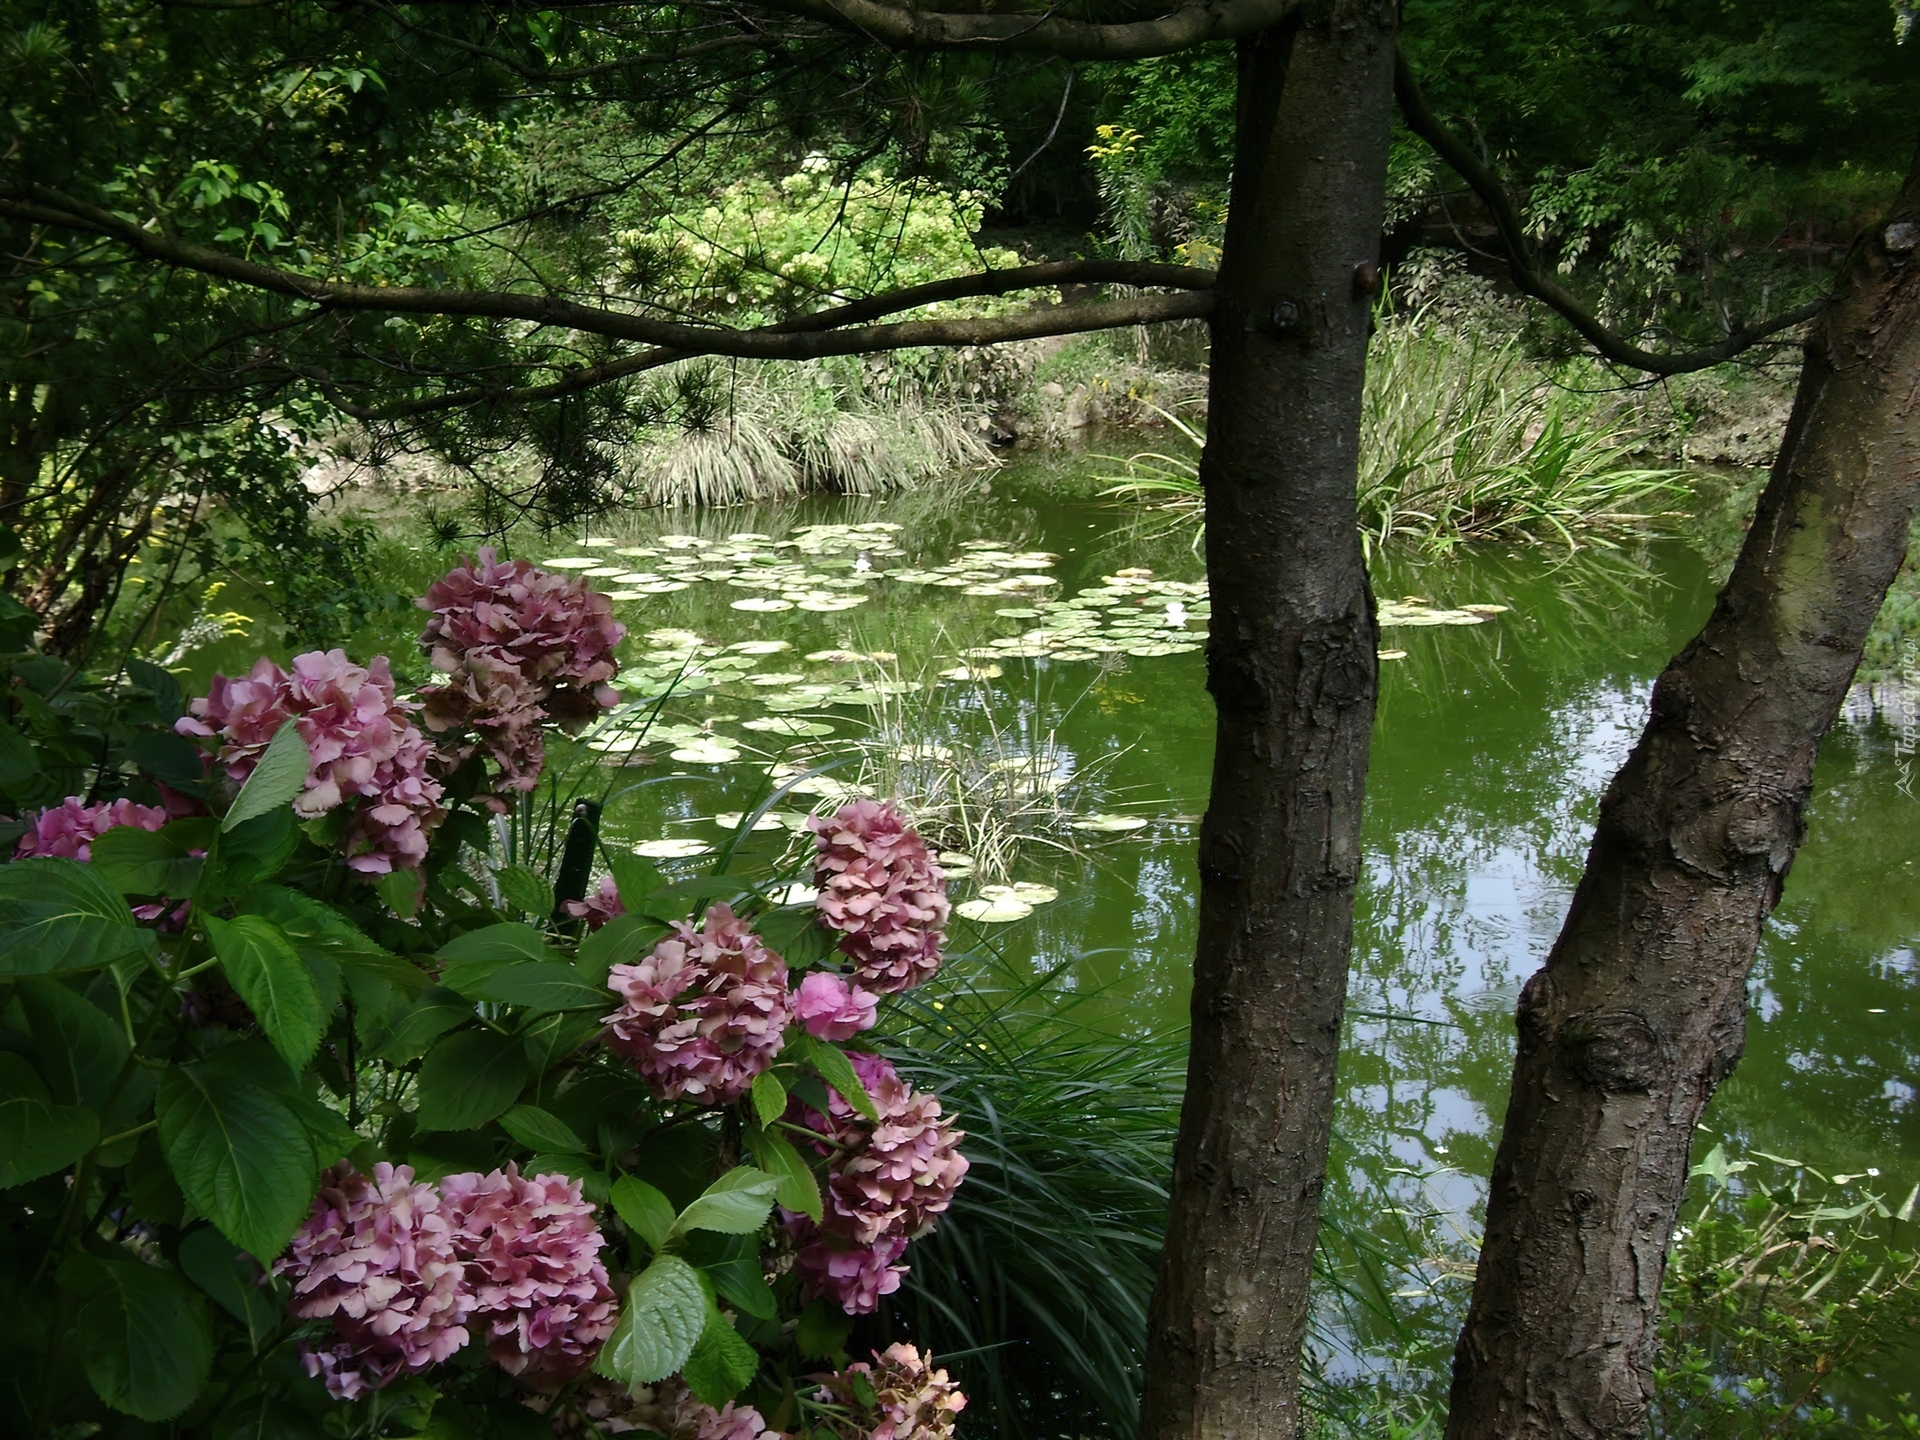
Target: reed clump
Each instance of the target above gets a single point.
(1464, 438)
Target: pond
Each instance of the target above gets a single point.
(1025, 658)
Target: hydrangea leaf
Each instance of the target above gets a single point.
(722, 1363)
(37, 1137)
(538, 1130)
(735, 1204)
(830, 1063)
(469, 1078)
(59, 916)
(525, 889)
(769, 1098)
(799, 1191)
(155, 862)
(280, 774)
(661, 1321)
(237, 1147)
(274, 981)
(147, 1346)
(646, 1212)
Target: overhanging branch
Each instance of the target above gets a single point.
(1180, 29)
(1533, 280)
(840, 331)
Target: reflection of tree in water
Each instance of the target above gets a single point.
(1833, 1060)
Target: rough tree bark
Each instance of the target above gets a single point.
(1292, 669)
(1640, 1010)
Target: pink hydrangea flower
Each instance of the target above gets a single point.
(375, 1255)
(704, 1013)
(886, 1183)
(599, 907)
(910, 1399)
(361, 745)
(853, 1276)
(520, 646)
(67, 830)
(879, 885)
(669, 1410)
(831, 1009)
(532, 1256)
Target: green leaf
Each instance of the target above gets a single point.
(509, 940)
(210, 1260)
(769, 1098)
(58, 916)
(146, 1344)
(155, 862)
(551, 1038)
(823, 1329)
(171, 759)
(469, 1078)
(621, 941)
(735, 1204)
(166, 692)
(37, 1137)
(400, 890)
(19, 762)
(539, 986)
(635, 878)
(437, 1011)
(722, 1363)
(525, 889)
(647, 1212)
(80, 1049)
(471, 957)
(273, 980)
(595, 1185)
(250, 852)
(799, 1191)
(317, 929)
(278, 776)
(661, 1321)
(538, 1130)
(741, 1284)
(239, 1149)
(830, 1063)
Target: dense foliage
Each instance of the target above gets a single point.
(324, 1110)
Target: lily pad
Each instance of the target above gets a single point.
(760, 647)
(787, 725)
(993, 911)
(1024, 892)
(571, 562)
(706, 752)
(672, 849)
(730, 820)
(761, 604)
(1111, 824)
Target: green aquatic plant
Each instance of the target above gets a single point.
(1463, 439)
(1785, 1284)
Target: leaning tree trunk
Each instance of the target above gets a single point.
(1291, 664)
(1640, 1009)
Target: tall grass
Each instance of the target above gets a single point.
(773, 431)
(1463, 438)
(1036, 1283)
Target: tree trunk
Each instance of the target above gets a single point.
(1292, 669)
(1640, 1009)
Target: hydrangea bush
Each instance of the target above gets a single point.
(315, 1118)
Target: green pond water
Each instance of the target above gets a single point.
(1493, 741)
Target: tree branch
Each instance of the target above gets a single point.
(1191, 24)
(1534, 281)
(806, 338)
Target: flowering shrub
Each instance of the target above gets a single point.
(705, 1013)
(521, 646)
(900, 1397)
(68, 829)
(878, 885)
(888, 1179)
(368, 1149)
(360, 743)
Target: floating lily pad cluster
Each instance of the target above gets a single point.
(821, 568)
